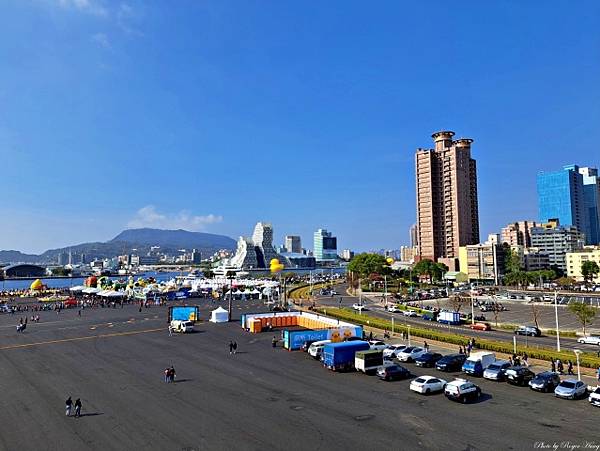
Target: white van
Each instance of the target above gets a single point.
(182, 326)
(316, 348)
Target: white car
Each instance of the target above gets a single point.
(427, 384)
(393, 309)
(392, 350)
(182, 326)
(410, 354)
(316, 348)
(377, 345)
(359, 307)
(594, 397)
(410, 313)
(590, 340)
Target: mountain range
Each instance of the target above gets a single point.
(137, 241)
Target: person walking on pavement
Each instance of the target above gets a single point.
(68, 405)
(553, 366)
(235, 347)
(569, 368)
(370, 335)
(425, 346)
(598, 375)
(525, 359)
(170, 330)
(230, 347)
(77, 407)
(560, 366)
(274, 341)
(172, 373)
(167, 372)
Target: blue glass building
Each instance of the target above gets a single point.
(560, 196)
(591, 203)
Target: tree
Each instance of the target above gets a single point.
(512, 263)
(585, 313)
(589, 270)
(535, 313)
(366, 264)
(61, 271)
(496, 309)
(565, 282)
(458, 300)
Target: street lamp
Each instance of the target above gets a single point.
(472, 309)
(556, 317)
(577, 352)
(408, 327)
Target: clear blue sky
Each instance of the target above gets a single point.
(212, 115)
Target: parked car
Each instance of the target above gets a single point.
(410, 313)
(479, 318)
(306, 345)
(410, 354)
(594, 397)
(427, 384)
(428, 359)
(391, 350)
(480, 326)
(496, 371)
(393, 309)
(428, 317)
(462, 390)
(545, 382)
(590, 340)
(570, 389)
(519, 375)
(377, 344)
(359, 307)
(393, 372)
(528, 330)
(452, 362)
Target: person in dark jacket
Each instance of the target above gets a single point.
(68, 405)
(78, 407)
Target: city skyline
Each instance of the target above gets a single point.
(112, 118)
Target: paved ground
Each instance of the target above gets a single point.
(261, 398)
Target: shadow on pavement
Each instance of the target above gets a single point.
(93, 414)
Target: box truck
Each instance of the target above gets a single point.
(340, 356)
(370, 361)
(477, 362)
(449, 318)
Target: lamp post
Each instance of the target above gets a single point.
(556, 317)
(472, 309)
(577, 352)
(230, 276)
(408, 327)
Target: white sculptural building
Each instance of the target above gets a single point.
(256, 252)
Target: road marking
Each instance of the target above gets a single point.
(65, 340)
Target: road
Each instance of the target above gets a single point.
(261, 398)
(375, 308)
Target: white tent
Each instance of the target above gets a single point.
(219, 315)
(91, 290)
(77, 288)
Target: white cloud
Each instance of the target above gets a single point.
(148, 216)
(86, 6)
(126, 17)
(102, 40)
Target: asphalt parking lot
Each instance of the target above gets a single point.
(261, 398)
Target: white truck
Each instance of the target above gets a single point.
(370, 361)
(477, 362)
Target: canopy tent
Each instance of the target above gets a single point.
(77, 288)
(91, 290)
(111, 294)
(219, 315)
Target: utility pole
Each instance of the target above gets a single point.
(556, 317)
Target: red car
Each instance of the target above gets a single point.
(480, 326)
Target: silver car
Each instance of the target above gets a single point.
(497, 370)
(571, 389)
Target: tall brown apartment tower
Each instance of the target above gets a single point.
(447, 211)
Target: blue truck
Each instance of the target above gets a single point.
(340, 356)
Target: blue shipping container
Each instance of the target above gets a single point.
(340, 356)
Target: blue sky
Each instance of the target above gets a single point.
(212, 115)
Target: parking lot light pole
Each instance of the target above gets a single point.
(556, 317)
(472, 310)
(408, 327)
(577, 352)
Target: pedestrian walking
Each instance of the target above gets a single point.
(569, 368)
(371, 335)
(235, 347)
(77, 407)
(79, 313)
(68, 405)
(426, 346)
(553, 366)
(598, 375)
(274, 341)
(230, 347)
(172, 374)
(560, 366)
(167, 372)
(460, 350)
(170, 330)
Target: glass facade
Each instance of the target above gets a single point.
(591, 200)
(560, 196)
